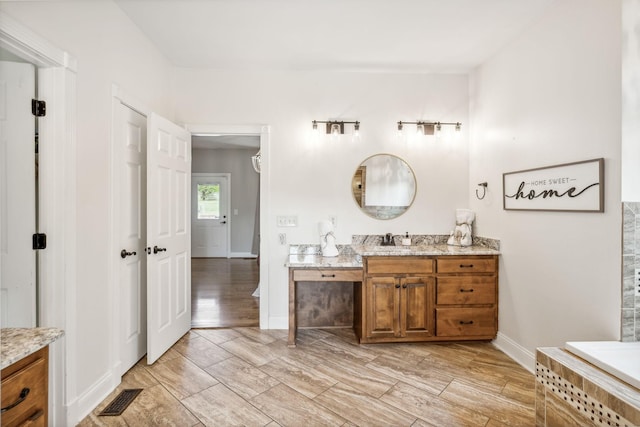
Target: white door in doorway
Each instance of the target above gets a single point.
(131, 140)
(17, 196)
(210, 215)
(168, 235)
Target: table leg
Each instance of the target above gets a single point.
(293, 326)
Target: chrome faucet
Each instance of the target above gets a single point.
(387, 240)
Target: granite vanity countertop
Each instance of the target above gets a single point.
(349, 260)
(17, 343)
(423, 250)
(306, 256)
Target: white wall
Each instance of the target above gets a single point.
(312, 179)
(630, 100)
(553, 96)
(244, 190)
(109, 49)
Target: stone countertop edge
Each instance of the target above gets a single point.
(18, 343)
(350, 256)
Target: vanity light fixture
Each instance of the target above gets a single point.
(428, 128)
(336, 127)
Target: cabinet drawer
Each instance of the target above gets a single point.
(32, 409)
(399, 265)
(466, 290)
(453, 322)
(336, 275)
(467, 265)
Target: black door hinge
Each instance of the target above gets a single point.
(38, 108)
(39, 241)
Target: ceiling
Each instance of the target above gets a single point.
(443, 36)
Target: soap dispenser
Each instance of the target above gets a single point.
(406, 240)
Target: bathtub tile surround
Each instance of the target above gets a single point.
(570, 391)
(630, 263)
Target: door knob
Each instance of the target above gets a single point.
(157, 249)
(223, 222)
(124, 253)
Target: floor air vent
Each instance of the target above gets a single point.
(120, 402)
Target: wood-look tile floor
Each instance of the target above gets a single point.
(249, 377)
(221, 292)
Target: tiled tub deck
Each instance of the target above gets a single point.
(571, 391)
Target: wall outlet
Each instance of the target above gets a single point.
(282, 238)
(636, 282)
(334, 221)
(287, 220)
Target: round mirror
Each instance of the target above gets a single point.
(384, 186)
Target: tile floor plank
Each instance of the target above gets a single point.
(430, 408)
(362, 409)
(493, 406)
(181, 377)
(305, 380)
(289, 408)
(219, 406)
(359, 377)
(432, 381)
(241, 377)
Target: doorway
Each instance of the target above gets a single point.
(225, 284)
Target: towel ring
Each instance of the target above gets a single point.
(484, 190)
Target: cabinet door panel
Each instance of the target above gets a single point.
(416, 314)
(382, 307)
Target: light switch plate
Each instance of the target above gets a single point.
(287, 220)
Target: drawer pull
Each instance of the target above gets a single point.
(36, 415)
(397, 286)
(466, 265)
(466, 290)
(328, 275)
(23, 395)
(467, 322)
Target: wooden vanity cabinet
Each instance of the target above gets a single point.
(427, 298)
(467, 297)
(25, 391)
(398, 300)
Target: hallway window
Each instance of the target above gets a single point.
(208, 201)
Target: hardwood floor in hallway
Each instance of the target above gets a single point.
(249, 377)
(221, 291)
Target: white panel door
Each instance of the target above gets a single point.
(168, 235)
(210, 215)
(132, 176)
(17, 196)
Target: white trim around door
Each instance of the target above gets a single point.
(265, 132)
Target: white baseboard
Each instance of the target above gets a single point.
(517, 352)
(87, 402)
(242, 255)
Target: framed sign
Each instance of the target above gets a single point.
(571, 187)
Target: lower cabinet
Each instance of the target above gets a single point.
(397, 307)
(25, 391)
(414, 298)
